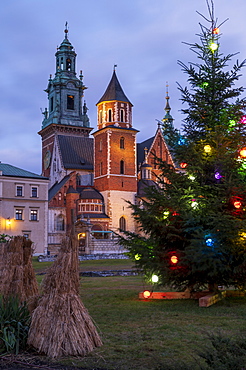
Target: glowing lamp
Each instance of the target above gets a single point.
(217, 175)
(146, 294)
(213, 46)
(237, 204)
(192, 177)
(174, 259)
(183, 164)
(243, 119)
(243, 235)
(8, 221)
(194, 204)
(165, 214)
(207, 149)
(209, 242)
(204, 85)
(232, 123)
(154, 279)
(216, 31)
(243, 153)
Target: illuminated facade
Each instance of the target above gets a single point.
(24, 205)
(92, 177)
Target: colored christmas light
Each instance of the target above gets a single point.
(243, 235)
(181, 141)
(243, 120)
(174, 259)
(207, 149)
(194, 204)
(216, 31)
(154, 279)
(191, 177)
(242, 153)
(209, 242)
(213, 46)
(237, 204)
(165, 214)
(232, 123)
(183, 165)
(204, 85)
(137, 257)
(217, 175)
(146, 294)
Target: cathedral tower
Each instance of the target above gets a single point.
(115, 155)
(67, 115)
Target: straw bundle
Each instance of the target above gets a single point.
(61, 325)
(17, 277)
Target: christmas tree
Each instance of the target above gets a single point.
(192, 227)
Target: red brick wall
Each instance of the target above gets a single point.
(117, 154)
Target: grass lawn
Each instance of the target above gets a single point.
(149, 335)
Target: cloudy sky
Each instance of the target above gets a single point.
(144, 38)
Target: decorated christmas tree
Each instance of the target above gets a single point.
(192, 227)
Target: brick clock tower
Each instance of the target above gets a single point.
(115, 150)
(66, 115)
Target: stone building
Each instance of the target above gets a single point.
(24, 205)
(93, 177)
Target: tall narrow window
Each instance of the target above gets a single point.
(100, 168)
(51, 103)
(110, 115)
(61, 63)
(122, 115)
(19, 214)
(70, 102)
(100, 145)
(33, 215)
(122, 167)
(68, 64)
(122, 143)
(34, 192)
(19, 190)
(100, 116)
(122, 224)
(59, 223)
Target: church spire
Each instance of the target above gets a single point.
(167, 118)
(66, 90)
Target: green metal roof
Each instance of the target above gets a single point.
(9, 170)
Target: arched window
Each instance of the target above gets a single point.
(61, 63)
(122, 115)
(110, 115)
(122, 167)
(100, 145)
(100, 116)
(122, 143)
(122, 224)
(59, 223)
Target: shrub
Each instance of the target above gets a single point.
(225, 353)
(14, 325)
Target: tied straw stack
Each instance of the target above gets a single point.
(61, 325)
(17, 277)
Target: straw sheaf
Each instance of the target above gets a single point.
(17, 277)
(64, 269)
(61, 325)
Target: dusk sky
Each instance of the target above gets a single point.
(144, 38)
